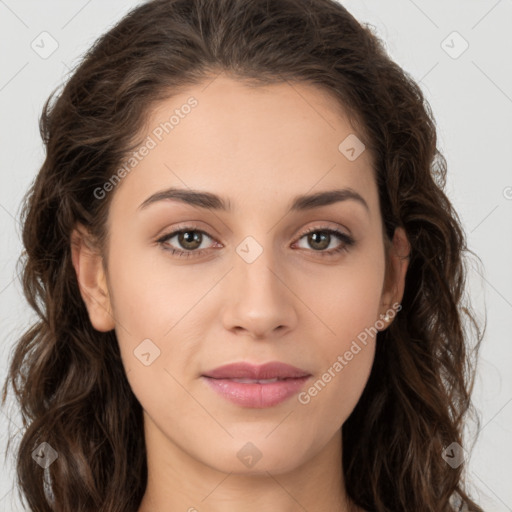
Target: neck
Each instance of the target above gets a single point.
(178, 481)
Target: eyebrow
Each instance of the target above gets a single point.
(212, 201)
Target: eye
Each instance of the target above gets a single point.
(321, 238)
(188, 238)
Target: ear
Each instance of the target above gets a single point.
(88, 264)
(397, 263)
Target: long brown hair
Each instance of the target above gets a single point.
(69, 379)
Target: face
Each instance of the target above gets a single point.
(257, 274)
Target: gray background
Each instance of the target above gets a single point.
(471, 97)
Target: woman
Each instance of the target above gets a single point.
(248, 277)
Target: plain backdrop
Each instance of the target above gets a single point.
(460, 53)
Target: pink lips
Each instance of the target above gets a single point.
(232, 381)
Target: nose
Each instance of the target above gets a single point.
(259, 302)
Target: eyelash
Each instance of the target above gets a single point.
(347, 240)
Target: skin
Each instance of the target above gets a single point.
(259, 148)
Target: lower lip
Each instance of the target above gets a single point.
(256, 395)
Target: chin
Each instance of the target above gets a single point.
(255, 458)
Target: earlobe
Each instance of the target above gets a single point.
(88, 265)
(399, 256)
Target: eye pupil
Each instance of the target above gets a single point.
(190, 239)
(317, 236)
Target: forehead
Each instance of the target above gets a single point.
(255, 145)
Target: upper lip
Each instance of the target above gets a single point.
(244, 370)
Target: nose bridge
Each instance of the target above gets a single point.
(259, 301)
(256, 267)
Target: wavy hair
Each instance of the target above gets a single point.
(69, 379)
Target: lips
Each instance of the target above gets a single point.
(268, 372)
(256, 386)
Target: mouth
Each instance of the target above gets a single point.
(256, 393)
(256, 386)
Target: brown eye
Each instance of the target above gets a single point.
(319, 240)
(190, 240)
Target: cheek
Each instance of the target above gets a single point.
(149, 294)
(348, 305)
(346, 298)
(333, 395)
(156, 306)
(347, 361)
